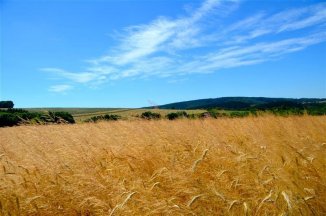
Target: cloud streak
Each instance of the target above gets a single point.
(252, 54)
(193, 44)
(60, 88)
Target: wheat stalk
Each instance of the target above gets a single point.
(287, 199)
(123, 203)
(199, 160)
(194, 199)
(233, 203)
(245, 208)
(265, 199)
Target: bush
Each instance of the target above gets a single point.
(253, 112)
(59, 116)
(205, 115)
(94, 119)
(176, 115)
(287, 112)
(316, 112)
(23, 114)
(192, 116)
(29, 115)
(239, 114)
(12, 110)
(150, 115)
(112, 117)
(172, 116)
(11, 117)
(8, 119)
(105, 117)
(214, 113)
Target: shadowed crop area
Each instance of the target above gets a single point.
(264, 165)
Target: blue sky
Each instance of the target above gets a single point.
(110, 53)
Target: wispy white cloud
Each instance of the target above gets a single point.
(168, 47)
(60, 88)
(248, 55)
(162, 34)
(79, 77)
(290, 20)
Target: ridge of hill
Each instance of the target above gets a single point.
(238, 103)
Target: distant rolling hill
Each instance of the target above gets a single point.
(242, 103)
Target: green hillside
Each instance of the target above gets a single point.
(245, 103)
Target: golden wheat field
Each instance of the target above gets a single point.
(251, 166)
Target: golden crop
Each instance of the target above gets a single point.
(251, 166)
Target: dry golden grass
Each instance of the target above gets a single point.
(251, 166)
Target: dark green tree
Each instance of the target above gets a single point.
(6, 104)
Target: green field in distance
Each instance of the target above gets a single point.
(81, 114)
